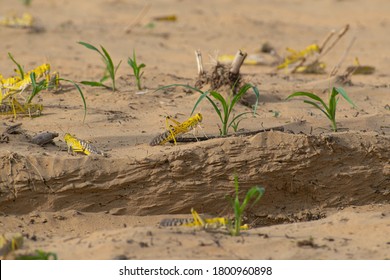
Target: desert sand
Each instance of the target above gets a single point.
(326, 195)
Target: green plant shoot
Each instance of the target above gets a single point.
(136, 69)
(330, 109)
(36, 87)
(255, 193)
(110, 70)
(226, 115)
(43, 84)
(20, 68)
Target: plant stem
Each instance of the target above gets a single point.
(237, 226)
(199, 62)
(334, 125)
(237, 62)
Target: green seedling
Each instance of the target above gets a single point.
(38, 255)
(225, 114)
(136, 69)
(43, 84)
(236, 123)
(49, 82)
(110, 70)
(20, 68)
(36, 87)
(255, 193)
(330, 109)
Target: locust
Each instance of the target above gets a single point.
(76, 145)
(14, 107)
(16, 85)
(299, 56)
(26, 21)
(176, 129)
(198, 221)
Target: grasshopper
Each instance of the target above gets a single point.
(13, 85)
(198, 221)
(26, 21)
(80, 146)
(299, 56)
(175, 130)
(27, 109)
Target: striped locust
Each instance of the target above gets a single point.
(175, 129)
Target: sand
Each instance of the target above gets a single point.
(326, 193)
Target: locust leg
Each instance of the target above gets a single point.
(17, 107)
(197, 219)
(12, 104)
(176, 129)
(172, 128)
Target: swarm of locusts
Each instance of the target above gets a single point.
(175, 129)
(14, 87)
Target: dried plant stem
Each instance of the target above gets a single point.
(322, 48)
(339, 36)
(199, 62)
(237, 62)
(338, 65)
(326, 40)
(138, 18)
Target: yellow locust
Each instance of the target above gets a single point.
(198, 221)
(15, 85)
(176, 129)
(76, 145)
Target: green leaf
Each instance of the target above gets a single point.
(203, 95)
(220, 98)
(21, 71)
(238, 96)
(109, 63)
(310, 95)
(131, 63)
(318, 107)
(333, 104)
(33, 81)
(116, 68)
(254, 192)
(344, 94)
(93, 84)
(80, 92)
(89, 46)
(238, 118)
(103, 79)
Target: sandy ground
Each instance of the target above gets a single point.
(327, 194)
